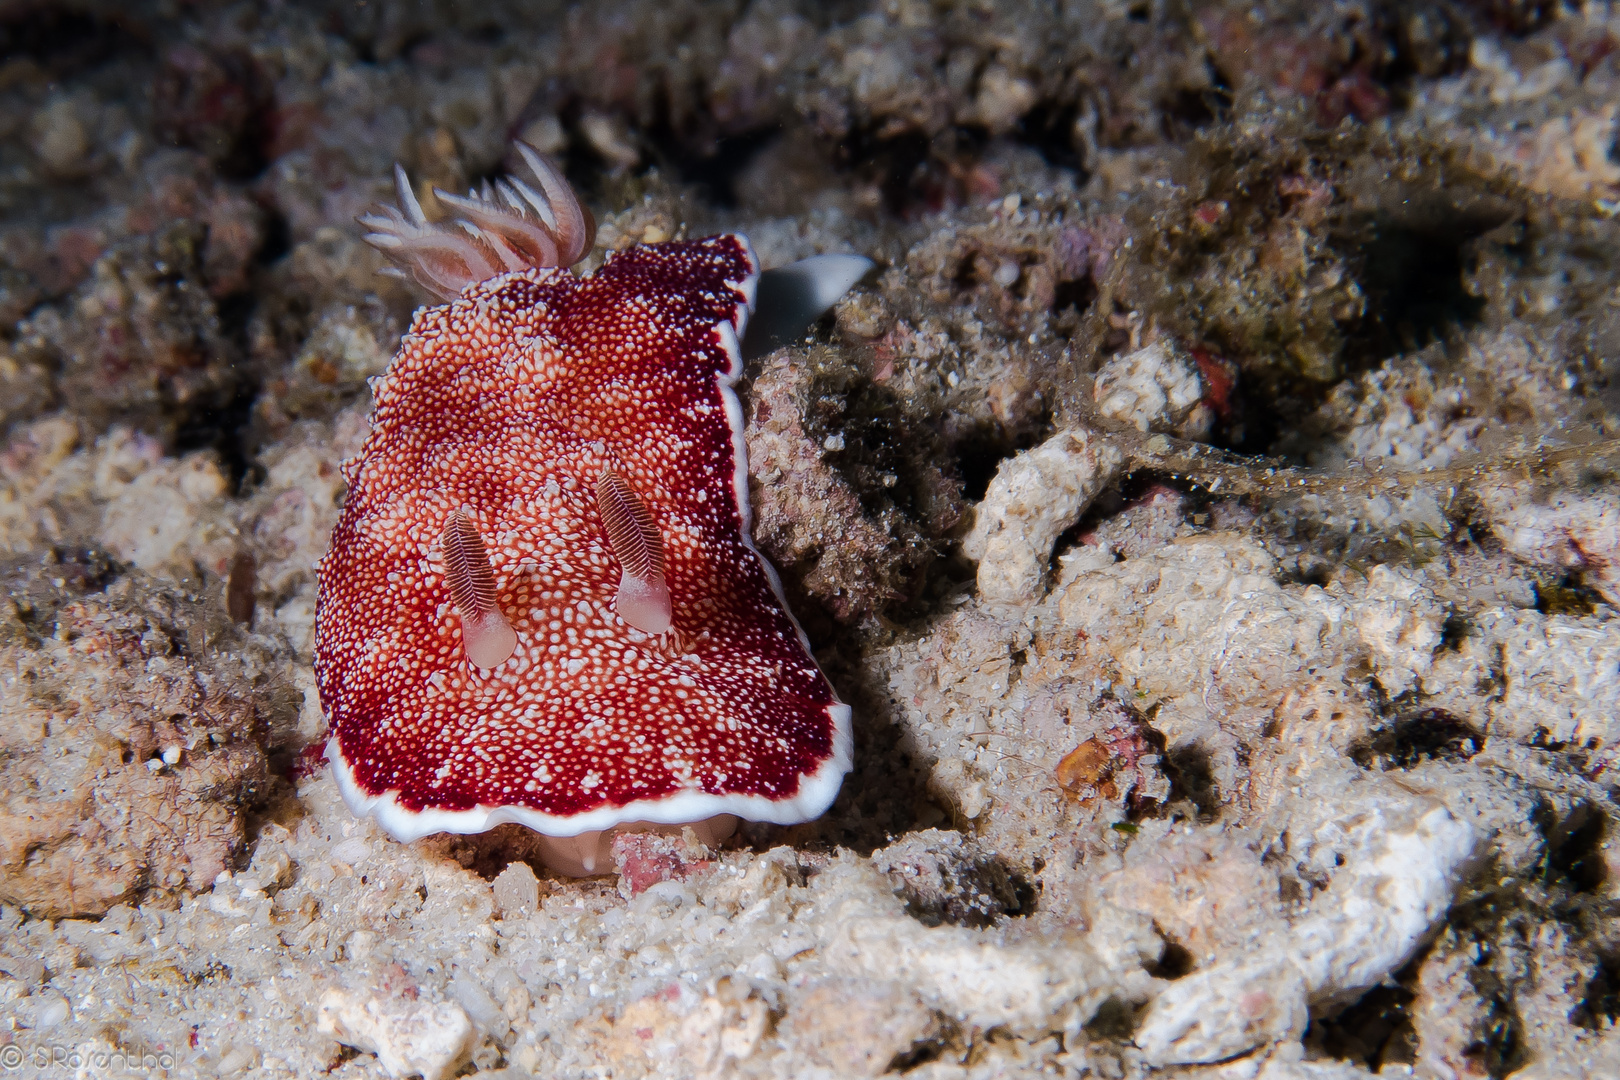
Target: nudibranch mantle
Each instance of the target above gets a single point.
(510, 405)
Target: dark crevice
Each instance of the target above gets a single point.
(1599, 1006)
(976, 893)
(277, 240)
(916, 174)
(1575, 850)
(1076, 293)
(219, 102)
(1404, 738)
(904, 171)
(826, 14)
(1114, 1021)
(1413, 267)
(1191, 110)
(979, 456)
(887, 793)
(1499, 1049)
(1175, 962)
(1454, 631)
(1413, 278)
(487, 33)
(714, 170)
(1192, 777)
(1514, 17)
(1375, 1031)
(1415, 255)
(63, 38)
(1050, 131)
(923, 1053)
(1568, 595)
(224, 429)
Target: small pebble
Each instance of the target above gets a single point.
(60, 139)
(517, 890)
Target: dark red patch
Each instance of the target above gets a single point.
(644, 859)
(1220, 379)
(1357, 95)
(309, 762)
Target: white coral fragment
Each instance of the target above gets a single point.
(1573, 532)
(1400, 621)
(409, 1037)
(1155, 388)
(1033, 498)
(1394, 857)
(986, 981)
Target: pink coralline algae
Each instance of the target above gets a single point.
(542, 603)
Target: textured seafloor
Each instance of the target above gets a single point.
(1209, 508)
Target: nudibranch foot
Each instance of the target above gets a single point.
(503, 228)
(592, 852)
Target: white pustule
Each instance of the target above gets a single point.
(643, 599)
(485, 634)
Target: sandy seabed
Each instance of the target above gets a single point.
(1208, 507)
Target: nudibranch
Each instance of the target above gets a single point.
(542, 603)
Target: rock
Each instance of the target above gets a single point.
(724, 1031)
(1148, 747)
(1226, 1011)
(161, 514)
(645, 1035)
(986, 980)
(153, 521)
(1505, 810)
(410, 1036)
(140, 340)
(1392, 860)
(1151, 520)
(516, 889)
(132, 743)
(1568, 531)
(1287, 1064)
(947, 878)
(1395, 860)
(848, 546)
(1560, 677)
(1448, 1016)
(1198, 622)
(1400, 621)
(1207, 889)
(857, 1027)
(675, 1031)
(1155, 388)
(1034, 498)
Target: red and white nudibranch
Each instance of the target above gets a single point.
(542, 604)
